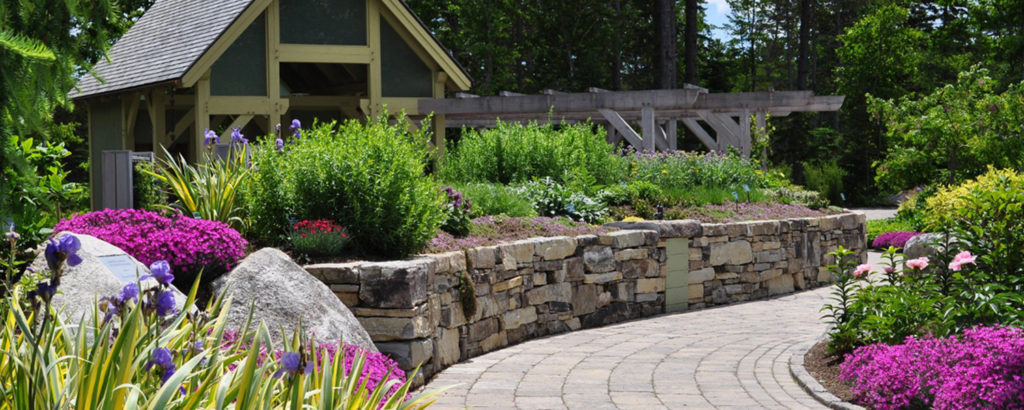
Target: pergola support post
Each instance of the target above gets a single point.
(647, 124)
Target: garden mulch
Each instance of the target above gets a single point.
(825, 368)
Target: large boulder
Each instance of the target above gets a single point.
(927, 244)
(104, 270)
(282, 295)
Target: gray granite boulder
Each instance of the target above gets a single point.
(282, 295)
(84, 284)
(926, 244)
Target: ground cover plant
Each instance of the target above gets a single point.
(878, 227)
(138, 351)
(189, 245)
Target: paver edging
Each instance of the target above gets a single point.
(810, 385)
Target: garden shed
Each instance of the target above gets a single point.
(191, 65)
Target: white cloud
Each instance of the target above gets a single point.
(722, 6)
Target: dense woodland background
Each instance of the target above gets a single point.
(885, 49)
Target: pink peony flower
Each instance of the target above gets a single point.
(889, 270)
(919, 263)
(961, 259)
(862, 270)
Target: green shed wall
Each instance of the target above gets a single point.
(105, 134)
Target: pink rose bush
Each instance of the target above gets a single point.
(187, 244)
(982, 369)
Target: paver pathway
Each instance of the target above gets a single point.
(728, 357)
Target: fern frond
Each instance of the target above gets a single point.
(26, 47)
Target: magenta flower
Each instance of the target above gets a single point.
(919, 263)
(862, 270)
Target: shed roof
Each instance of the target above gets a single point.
(171, 37)
(161, 47)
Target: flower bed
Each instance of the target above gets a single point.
(894, 239)
(490, 230)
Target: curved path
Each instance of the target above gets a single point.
(728, 357)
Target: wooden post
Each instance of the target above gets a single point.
(672, 128)
(647, 124)
(158, 117)
(202, 110)
(440, 78)
(273, 65)
(746, 143)
(130, 113)
(374, 80)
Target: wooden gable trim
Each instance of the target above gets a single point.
(426, 41)
(210, 56)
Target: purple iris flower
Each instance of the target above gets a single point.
(44, 290)
(237, 137)
(129, 291)
(162, 359)
(298, 133)
(165, 303)
(280, 144)
(277, 129)
(12, 236)
(59, 250)
(161, 271)
(296, 124)
(211, 137)
(291, 363)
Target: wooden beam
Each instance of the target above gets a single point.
(396, 104)
(660, 139)
(510, 94)
(202, 112)
(622, 127)
(130, 105)
(221, 105)
(156, 107)
(181, 126)
(315, 53)
(274, 52)
(672, 128)
(465, 95)
(746, 143)
(440, 124)
(202, 66)
(701, 134)
(647, 124)
(375, 72)
(239, 122)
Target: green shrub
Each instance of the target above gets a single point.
(457, 210)
(552, 199)
(826, 178)
(879, 226)
(147, 192)
(515, 153)
(685, 170)
(496, 199)
(367, 176)
(796, 195)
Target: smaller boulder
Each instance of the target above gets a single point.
(282, 295)
(81, 286)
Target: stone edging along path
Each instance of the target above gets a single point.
(811, 385)
(436, 310)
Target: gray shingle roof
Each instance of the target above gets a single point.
(168, 39)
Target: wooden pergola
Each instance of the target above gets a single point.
(658, 112)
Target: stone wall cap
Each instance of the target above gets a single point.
(679, 228)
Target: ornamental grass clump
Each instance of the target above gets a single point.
(983, 368)
(319, 238)
(188, 245)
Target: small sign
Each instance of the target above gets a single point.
(122, 266)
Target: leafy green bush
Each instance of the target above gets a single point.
(825, 178)
(552, 199)
(952, 134)
(684, 170)
(367, 176)
(496, 199)
(515, 153)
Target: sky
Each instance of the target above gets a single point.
(718, 15)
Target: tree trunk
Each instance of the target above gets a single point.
(691, 41)
(665, 63)
(803, 63)
(617, 47)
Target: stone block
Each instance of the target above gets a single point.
(448, 350)
(695, 291)
(560, 292)
(408, 354)
(482, 258)
(599, 259)
(335, 273)
(770, 256)
(400, 284)
(483, 329)
(732, 253)
(650, 285)
(385, 329)
(685, 228)
(759, 228)
(646, 297)
(348, 299)
(799, 281)
(702, 275)
(780, 285)
(523, 251)
(554, 248)
(452, 315)
(574, 323)
(540, 279)
(515, 318)
(624, 292)
(602, 277)
(726, 276)
(573, 268)
(710, 230)
(508, 284)
(631, 254)
(603, 299)
(638, 268)
(584, 299)
(824, 275)
(374, 312)
(494, 342)
(507, 259)
(622, 239)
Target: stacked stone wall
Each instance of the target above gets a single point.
(414, 309)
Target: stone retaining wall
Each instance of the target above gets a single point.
(414, 309)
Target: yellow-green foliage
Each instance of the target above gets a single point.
(950, 202)
(211, 190)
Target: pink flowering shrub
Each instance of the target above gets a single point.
(375, 365)
(896, 239)
(982, 369)
(187, 244)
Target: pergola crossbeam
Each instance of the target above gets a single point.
(621, 126)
